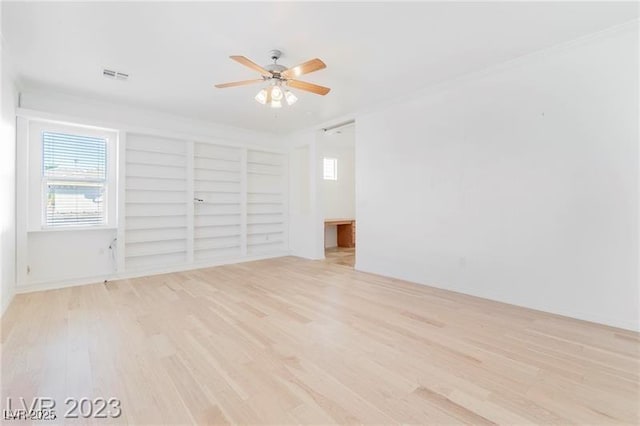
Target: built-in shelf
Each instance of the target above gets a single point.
(129, 189)
(217, 180)
(157, 177)
(266, 242)
(215, 226)
(156, 202)
(259, 163)
(156, 151)
(153, 240)
(218, 247)
(155, 228)
(173, 166)
(156, 215)
(217, 191)
(214, 237)
(222, 203)
(264, 193)
(210, 169)
(263, 173)
(207, 157)
(156, 252)
(266, 223)
(265, 233)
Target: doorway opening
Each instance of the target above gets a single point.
(336, 150)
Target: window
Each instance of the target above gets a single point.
(330, 169)
(74, 179)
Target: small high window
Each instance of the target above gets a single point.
(331, 169)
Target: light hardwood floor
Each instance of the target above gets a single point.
(288, 341)
(340, 256)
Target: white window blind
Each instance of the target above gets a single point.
(74, 175)
(331, 169)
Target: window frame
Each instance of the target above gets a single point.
(38, 181)
(101, 182)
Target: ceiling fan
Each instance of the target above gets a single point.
(278, 76)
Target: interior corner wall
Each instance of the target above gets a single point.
(304, 218)
(519, 184)
(9, 100)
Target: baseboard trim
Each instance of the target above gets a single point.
(559, 311)
(79, 281)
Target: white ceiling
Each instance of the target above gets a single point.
(175, 52)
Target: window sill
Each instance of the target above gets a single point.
(74, 229)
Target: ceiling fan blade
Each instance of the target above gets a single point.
(238, 83)
(309, 87)
(249, 63)
(304, 68)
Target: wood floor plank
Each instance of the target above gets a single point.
(292, 341)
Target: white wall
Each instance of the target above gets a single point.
(338, 196)
(61, 257)
(518, 184)
(305, 220)
(9, 100)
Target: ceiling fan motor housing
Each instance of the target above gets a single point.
(277, 68)
(274, 67)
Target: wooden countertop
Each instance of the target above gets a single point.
(338, 221)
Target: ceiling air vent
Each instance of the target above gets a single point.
(116, 75)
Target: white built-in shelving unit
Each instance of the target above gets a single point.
(197, 203)
(265, 202)
(156, 202)
(217, 185)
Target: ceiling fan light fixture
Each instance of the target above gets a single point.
(276, 104)
(290, 97)
(261, 97)
(276, 93)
